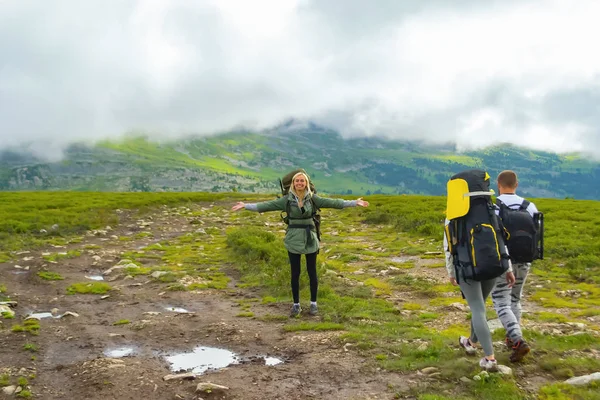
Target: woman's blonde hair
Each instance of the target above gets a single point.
(293, 190)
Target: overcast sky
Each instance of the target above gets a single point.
(470, 71)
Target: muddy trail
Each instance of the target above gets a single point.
(126, 343)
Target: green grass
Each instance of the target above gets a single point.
(314, 326)
(121, 322)
(24, 214)
(562, 391)
(25, 394)
(30, 325)
(246, 314)
(30, 347)
(55, 257)
(89, 288)
(50, 276)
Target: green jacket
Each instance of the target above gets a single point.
(297, 240)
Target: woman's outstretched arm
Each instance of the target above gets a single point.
(324, 202)
(264, 206)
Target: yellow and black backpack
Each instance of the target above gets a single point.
(474, 232)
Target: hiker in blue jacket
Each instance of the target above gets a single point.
(301, 236)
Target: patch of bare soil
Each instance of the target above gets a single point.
(88, 357)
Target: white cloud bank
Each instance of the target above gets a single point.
(469, 71)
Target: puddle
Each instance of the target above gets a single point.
(41, 315)
(202, 359)
(270, 361)
(19, 272)
(119, 352)
(205, 358)
(95, 277)
(178, 310)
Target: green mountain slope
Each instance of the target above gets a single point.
(252, 161)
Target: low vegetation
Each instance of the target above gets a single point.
(382, 290)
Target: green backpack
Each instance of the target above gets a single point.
(285, 183)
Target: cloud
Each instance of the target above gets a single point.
(473, 72)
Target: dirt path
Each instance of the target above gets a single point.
(80, 357)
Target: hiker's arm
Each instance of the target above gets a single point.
(271, 205)
(449, 261)
(324, 202)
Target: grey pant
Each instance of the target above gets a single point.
(476, 294)
(507, 301)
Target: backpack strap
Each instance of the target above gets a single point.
(524, 205)
(315, 210)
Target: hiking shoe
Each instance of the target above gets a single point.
(296, 309)
(314, 310)
(488, 365)
(465, 344)
(519, 350)
(509, 343)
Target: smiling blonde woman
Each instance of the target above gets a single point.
(301, 235)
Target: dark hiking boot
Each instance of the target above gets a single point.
(519, 350)
(296, 310)
(509, 343)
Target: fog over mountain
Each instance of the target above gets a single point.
(472, 72)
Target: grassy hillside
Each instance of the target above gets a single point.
(252, 162)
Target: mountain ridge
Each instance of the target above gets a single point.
(252, 161)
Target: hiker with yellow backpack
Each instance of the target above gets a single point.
(300, 205)
(476, 254)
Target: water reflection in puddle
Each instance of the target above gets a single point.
(202, 359)
(205, 358)
(41, 315)
(95, 277)
(119, 352)
(178, 310)
(272, 361)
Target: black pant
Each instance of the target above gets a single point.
(311, 268)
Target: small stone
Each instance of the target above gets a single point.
(186, 375)
(504, 370)
(464, 379)
(70, 313)
(8, 390)
(204, 386)
(583, 380)
(494, 324)
(429, 370)
(459, 306)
